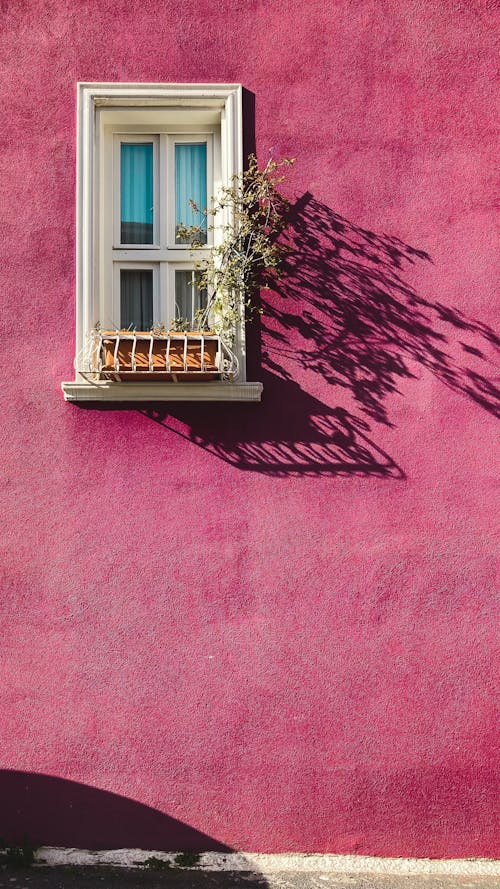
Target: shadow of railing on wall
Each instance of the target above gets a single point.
(291, 433)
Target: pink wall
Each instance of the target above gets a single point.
(272, 623)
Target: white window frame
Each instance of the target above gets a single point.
(189, 110)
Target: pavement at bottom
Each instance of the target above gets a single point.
(116, 878)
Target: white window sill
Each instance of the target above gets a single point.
(128, 392)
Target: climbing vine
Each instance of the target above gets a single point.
(247, 253)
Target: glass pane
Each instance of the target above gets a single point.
(136, 166)
(136, 299)
(189, 299)
(191, 185)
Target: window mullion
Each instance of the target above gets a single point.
(161, 303)
(161, 191)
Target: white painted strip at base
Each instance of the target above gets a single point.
(149, 392)
(269, 864)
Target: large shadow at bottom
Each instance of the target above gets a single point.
(56, 812)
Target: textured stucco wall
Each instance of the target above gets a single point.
(271, 623)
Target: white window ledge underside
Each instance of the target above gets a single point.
(149, 392)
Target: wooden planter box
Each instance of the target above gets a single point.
(142, 355)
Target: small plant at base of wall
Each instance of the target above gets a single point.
(187, 859)
(155, 863)
(17, 855)
(181, 860)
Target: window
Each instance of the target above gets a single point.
(152, 182)
(150, 157)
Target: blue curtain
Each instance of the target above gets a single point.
(136, 192)
(190, 184)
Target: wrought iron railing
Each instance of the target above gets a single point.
(172, 356)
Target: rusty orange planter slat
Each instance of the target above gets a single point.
(144, 356)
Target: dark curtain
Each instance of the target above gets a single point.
(136, 299)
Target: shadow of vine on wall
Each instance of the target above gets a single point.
(360, 324)
(343, 311)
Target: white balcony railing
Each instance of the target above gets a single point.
(171, 356)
